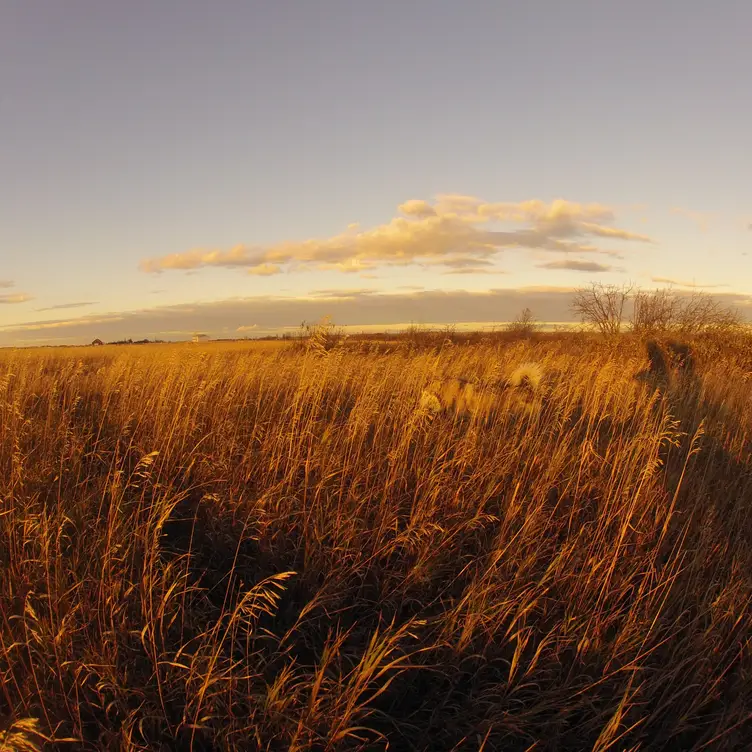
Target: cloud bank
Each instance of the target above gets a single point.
(453, 232)
(270, 314)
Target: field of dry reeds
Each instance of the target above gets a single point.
(229, 547)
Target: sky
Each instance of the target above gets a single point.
(237, 167)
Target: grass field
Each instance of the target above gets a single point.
(218, 547)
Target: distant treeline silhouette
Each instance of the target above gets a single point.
(130, 342)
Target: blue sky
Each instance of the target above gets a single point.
(143, 142)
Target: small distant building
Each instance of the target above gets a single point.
(97, 343)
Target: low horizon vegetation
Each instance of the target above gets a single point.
(235, 546)
(607, 309)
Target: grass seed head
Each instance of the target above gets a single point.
(527, 375)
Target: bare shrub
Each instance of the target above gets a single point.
(653, 312)
(700, 313)
(524, 325)
(666, 311)
(602, 306)
(417, 335)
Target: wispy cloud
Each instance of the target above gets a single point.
(12, 298)
(19, 297)
(681, 283)
(577, 265)
(340, 292)
(452, 231)
(61, 306)
(474, 270)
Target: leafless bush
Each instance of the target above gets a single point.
(701, 314)
(524, 325)
(602, 306)
(653, 312)
(665, 311)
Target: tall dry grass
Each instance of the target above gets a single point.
(229, 547)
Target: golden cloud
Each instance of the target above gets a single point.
(19, 297)
(264, 270)
(436, 234)
(417, 208)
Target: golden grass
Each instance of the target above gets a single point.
(242, 547)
